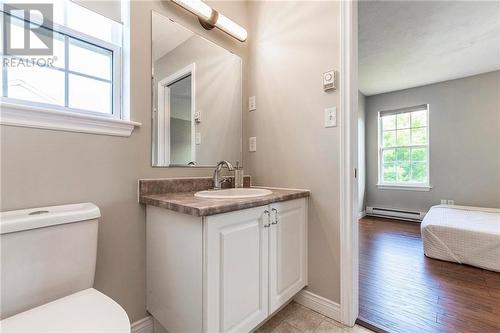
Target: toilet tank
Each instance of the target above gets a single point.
(46, 253)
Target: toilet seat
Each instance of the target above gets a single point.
(85, 311)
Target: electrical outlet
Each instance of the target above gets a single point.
(252, 143)
(197, 138)
(444, 202)
(252, 103)
(451, 202)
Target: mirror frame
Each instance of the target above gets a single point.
(154, 12)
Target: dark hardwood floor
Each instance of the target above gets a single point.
(401, 290)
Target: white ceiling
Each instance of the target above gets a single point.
(404, 44)
(166, 35)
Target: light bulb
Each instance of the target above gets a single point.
(231, 28)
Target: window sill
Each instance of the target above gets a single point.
(425, 188)
(12, 114)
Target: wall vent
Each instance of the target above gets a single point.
(399, 214)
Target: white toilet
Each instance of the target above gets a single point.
(48, 258)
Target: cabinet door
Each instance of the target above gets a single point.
(236, 266)
(287, 251)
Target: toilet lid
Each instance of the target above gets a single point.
(85, 311)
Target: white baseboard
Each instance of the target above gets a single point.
(319, 304)
(144, 325)
(361, 214)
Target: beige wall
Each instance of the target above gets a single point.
(291, 45)
(44, 167)
(464, 120)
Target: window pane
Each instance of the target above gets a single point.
(36, 84)
(403, 172)
(388, 155)
(389, 173)
(419, 154)
(419, 119)
(403, 137)
(403, 154)
(419, 136)
(17, 41)
(419, 172)
(389, 139)
(389, 122)
(403, 120)
(101, 27)
(89, 94)
(88, 59)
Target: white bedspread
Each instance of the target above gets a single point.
(462, 234)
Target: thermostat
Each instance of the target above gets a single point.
(329, 81)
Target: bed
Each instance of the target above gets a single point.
(462, 234)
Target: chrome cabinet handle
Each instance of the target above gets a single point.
(276, 220)
(266, 212)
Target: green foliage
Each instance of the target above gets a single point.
(406, 164)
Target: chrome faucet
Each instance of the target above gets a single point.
(217, 179)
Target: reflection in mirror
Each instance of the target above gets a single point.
(197, 98)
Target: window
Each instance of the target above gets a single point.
(84, 71)
(81, 79)
(404, 147)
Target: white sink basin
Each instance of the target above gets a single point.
(233, 193)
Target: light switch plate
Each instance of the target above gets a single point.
(197, 138)
(252, 103)
(252, 143)
(331, 117)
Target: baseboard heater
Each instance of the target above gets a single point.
(398, 214)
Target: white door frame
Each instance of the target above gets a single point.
(163, 123)
(349, 304)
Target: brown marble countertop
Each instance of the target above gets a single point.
(187, 203)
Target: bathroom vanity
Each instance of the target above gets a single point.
(221, 265)
(217, 260)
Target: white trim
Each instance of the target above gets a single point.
(361, 214)
(348, 162)
(424, 188)
(12, 114)
(319, 304)
(125, 60)
(144, 325)
(163, 117)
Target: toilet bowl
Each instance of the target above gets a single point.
(48, 258)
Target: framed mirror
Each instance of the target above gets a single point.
(197, 98)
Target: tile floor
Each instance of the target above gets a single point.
(295, 318)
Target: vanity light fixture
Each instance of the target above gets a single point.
(210, 18)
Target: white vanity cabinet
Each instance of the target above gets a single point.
(226, 272)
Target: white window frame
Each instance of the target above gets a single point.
(23, 113)
(403, 186)
(163, 115)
